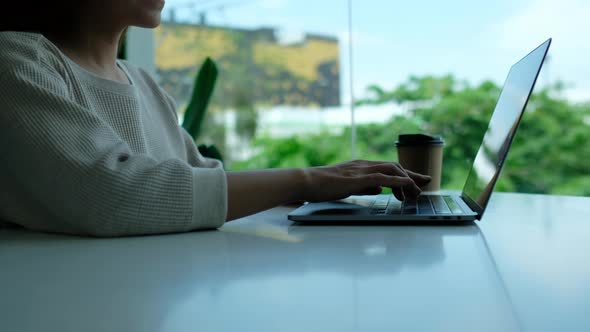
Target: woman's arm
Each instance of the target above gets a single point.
(64, 169)
(253, 191)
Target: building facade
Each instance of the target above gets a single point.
(255, 69)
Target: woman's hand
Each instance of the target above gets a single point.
(254, 191)
(361, 177)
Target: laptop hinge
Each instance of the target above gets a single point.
(472, 205)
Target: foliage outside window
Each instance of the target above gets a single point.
(261, 76)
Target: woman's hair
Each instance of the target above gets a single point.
(42, 16)
(47, 17)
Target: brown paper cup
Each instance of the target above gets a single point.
(422, 154)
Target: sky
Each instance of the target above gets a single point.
(473, 40)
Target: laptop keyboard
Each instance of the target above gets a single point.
(428, 204)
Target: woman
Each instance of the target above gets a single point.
(91, 145)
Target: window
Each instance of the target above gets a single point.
(283, 95)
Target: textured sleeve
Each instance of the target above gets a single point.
(67, 171)
(194, 156)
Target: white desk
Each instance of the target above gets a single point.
(265, 274)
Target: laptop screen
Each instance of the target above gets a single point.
(502, 127)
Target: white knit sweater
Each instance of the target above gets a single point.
(80, 154)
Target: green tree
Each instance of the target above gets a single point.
(551, 149)
(549, 155)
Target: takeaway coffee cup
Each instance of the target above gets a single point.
(423, 154)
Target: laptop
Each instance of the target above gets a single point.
(470, 205)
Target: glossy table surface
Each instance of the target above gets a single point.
(525, 267)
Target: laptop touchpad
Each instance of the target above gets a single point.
(334, 208)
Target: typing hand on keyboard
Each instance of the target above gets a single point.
(360, 177)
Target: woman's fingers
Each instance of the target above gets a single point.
(371, 191)
(362, 177)
(402, 187)
(398, 193)
(390, 168)
(387, 168)
(420, 179)
(395, 169)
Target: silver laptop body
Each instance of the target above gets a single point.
(482, 178)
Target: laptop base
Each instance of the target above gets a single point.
(360, 210)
